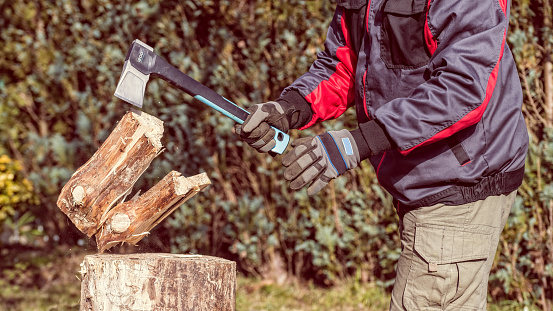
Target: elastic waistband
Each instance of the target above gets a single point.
(501, 183)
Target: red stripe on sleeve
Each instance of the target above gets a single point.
(332, 97)
(431, 42)
(367, 15)
(503, 4)
(365, 74)
(365, 95)
(472, 117)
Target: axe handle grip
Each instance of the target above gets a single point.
(196, 89)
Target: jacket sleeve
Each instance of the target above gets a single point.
(469, 42)
(328, 86)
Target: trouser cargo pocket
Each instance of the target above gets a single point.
(448, 263)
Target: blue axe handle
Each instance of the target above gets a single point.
(282, 139)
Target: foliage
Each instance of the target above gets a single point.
(524, 266)
(60, 61)
(14, 188)
(39, 280)
(16, 198)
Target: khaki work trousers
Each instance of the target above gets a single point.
(447, 253)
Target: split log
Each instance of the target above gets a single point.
(157, 282)
(108, 177)
(131, 221)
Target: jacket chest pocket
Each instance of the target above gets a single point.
(402, 43)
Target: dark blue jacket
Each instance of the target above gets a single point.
(436, 91)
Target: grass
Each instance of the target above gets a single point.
(16, 298)
(38, 282)
(252, 295)
(32, 280)
(255, 295)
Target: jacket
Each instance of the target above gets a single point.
(436, 92)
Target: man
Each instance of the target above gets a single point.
(438, 102)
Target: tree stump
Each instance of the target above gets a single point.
(157, 282)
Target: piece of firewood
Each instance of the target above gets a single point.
(110, 174)
(157, 282)
(132, 220)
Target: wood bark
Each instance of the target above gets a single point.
(131, 221)
(94, 196)
(157, 282)
(108, 177)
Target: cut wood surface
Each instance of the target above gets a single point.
(94, 197)
(132, 220)
(157, 282)
(111, 172)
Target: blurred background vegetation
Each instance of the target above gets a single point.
(60, 61)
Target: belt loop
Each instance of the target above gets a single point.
(498, 183)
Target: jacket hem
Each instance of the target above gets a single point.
(501, 183)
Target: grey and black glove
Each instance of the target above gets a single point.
(317, 160)
(288, 112)
(256, 129)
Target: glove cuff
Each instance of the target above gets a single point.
(362, 146)
(371, 139)
(342, 150)
(297, 108)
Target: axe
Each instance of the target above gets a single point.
(141, 61)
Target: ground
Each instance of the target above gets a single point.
(33, 279)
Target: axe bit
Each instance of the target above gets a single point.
(141, 61)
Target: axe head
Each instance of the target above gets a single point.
(132, 83)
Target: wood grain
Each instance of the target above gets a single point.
(111, 172)
(131, 221)
(157, 282)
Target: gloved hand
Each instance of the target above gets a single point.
(319, 159)
(256, 130)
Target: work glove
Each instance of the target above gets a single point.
(290, 111)
(317, 160)
(256, 130)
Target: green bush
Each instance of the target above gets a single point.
(16, 199)
(15, 189)
(60, 61)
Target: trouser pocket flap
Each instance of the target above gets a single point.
(438, 244)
